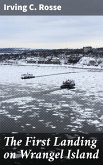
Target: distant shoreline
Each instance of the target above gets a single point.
(58, 65)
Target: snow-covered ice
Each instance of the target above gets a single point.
(40, 105)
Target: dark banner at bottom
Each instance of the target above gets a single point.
(62, 148)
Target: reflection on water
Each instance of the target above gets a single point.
(43, 107)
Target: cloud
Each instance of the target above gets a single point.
(51, 31)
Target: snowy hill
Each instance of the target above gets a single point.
(91, 61)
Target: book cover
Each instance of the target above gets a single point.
(51, 82)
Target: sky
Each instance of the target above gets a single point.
(50, 32)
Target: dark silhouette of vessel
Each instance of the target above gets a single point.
(69, 84)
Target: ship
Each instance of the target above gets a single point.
(27, 76)
(69, 84)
